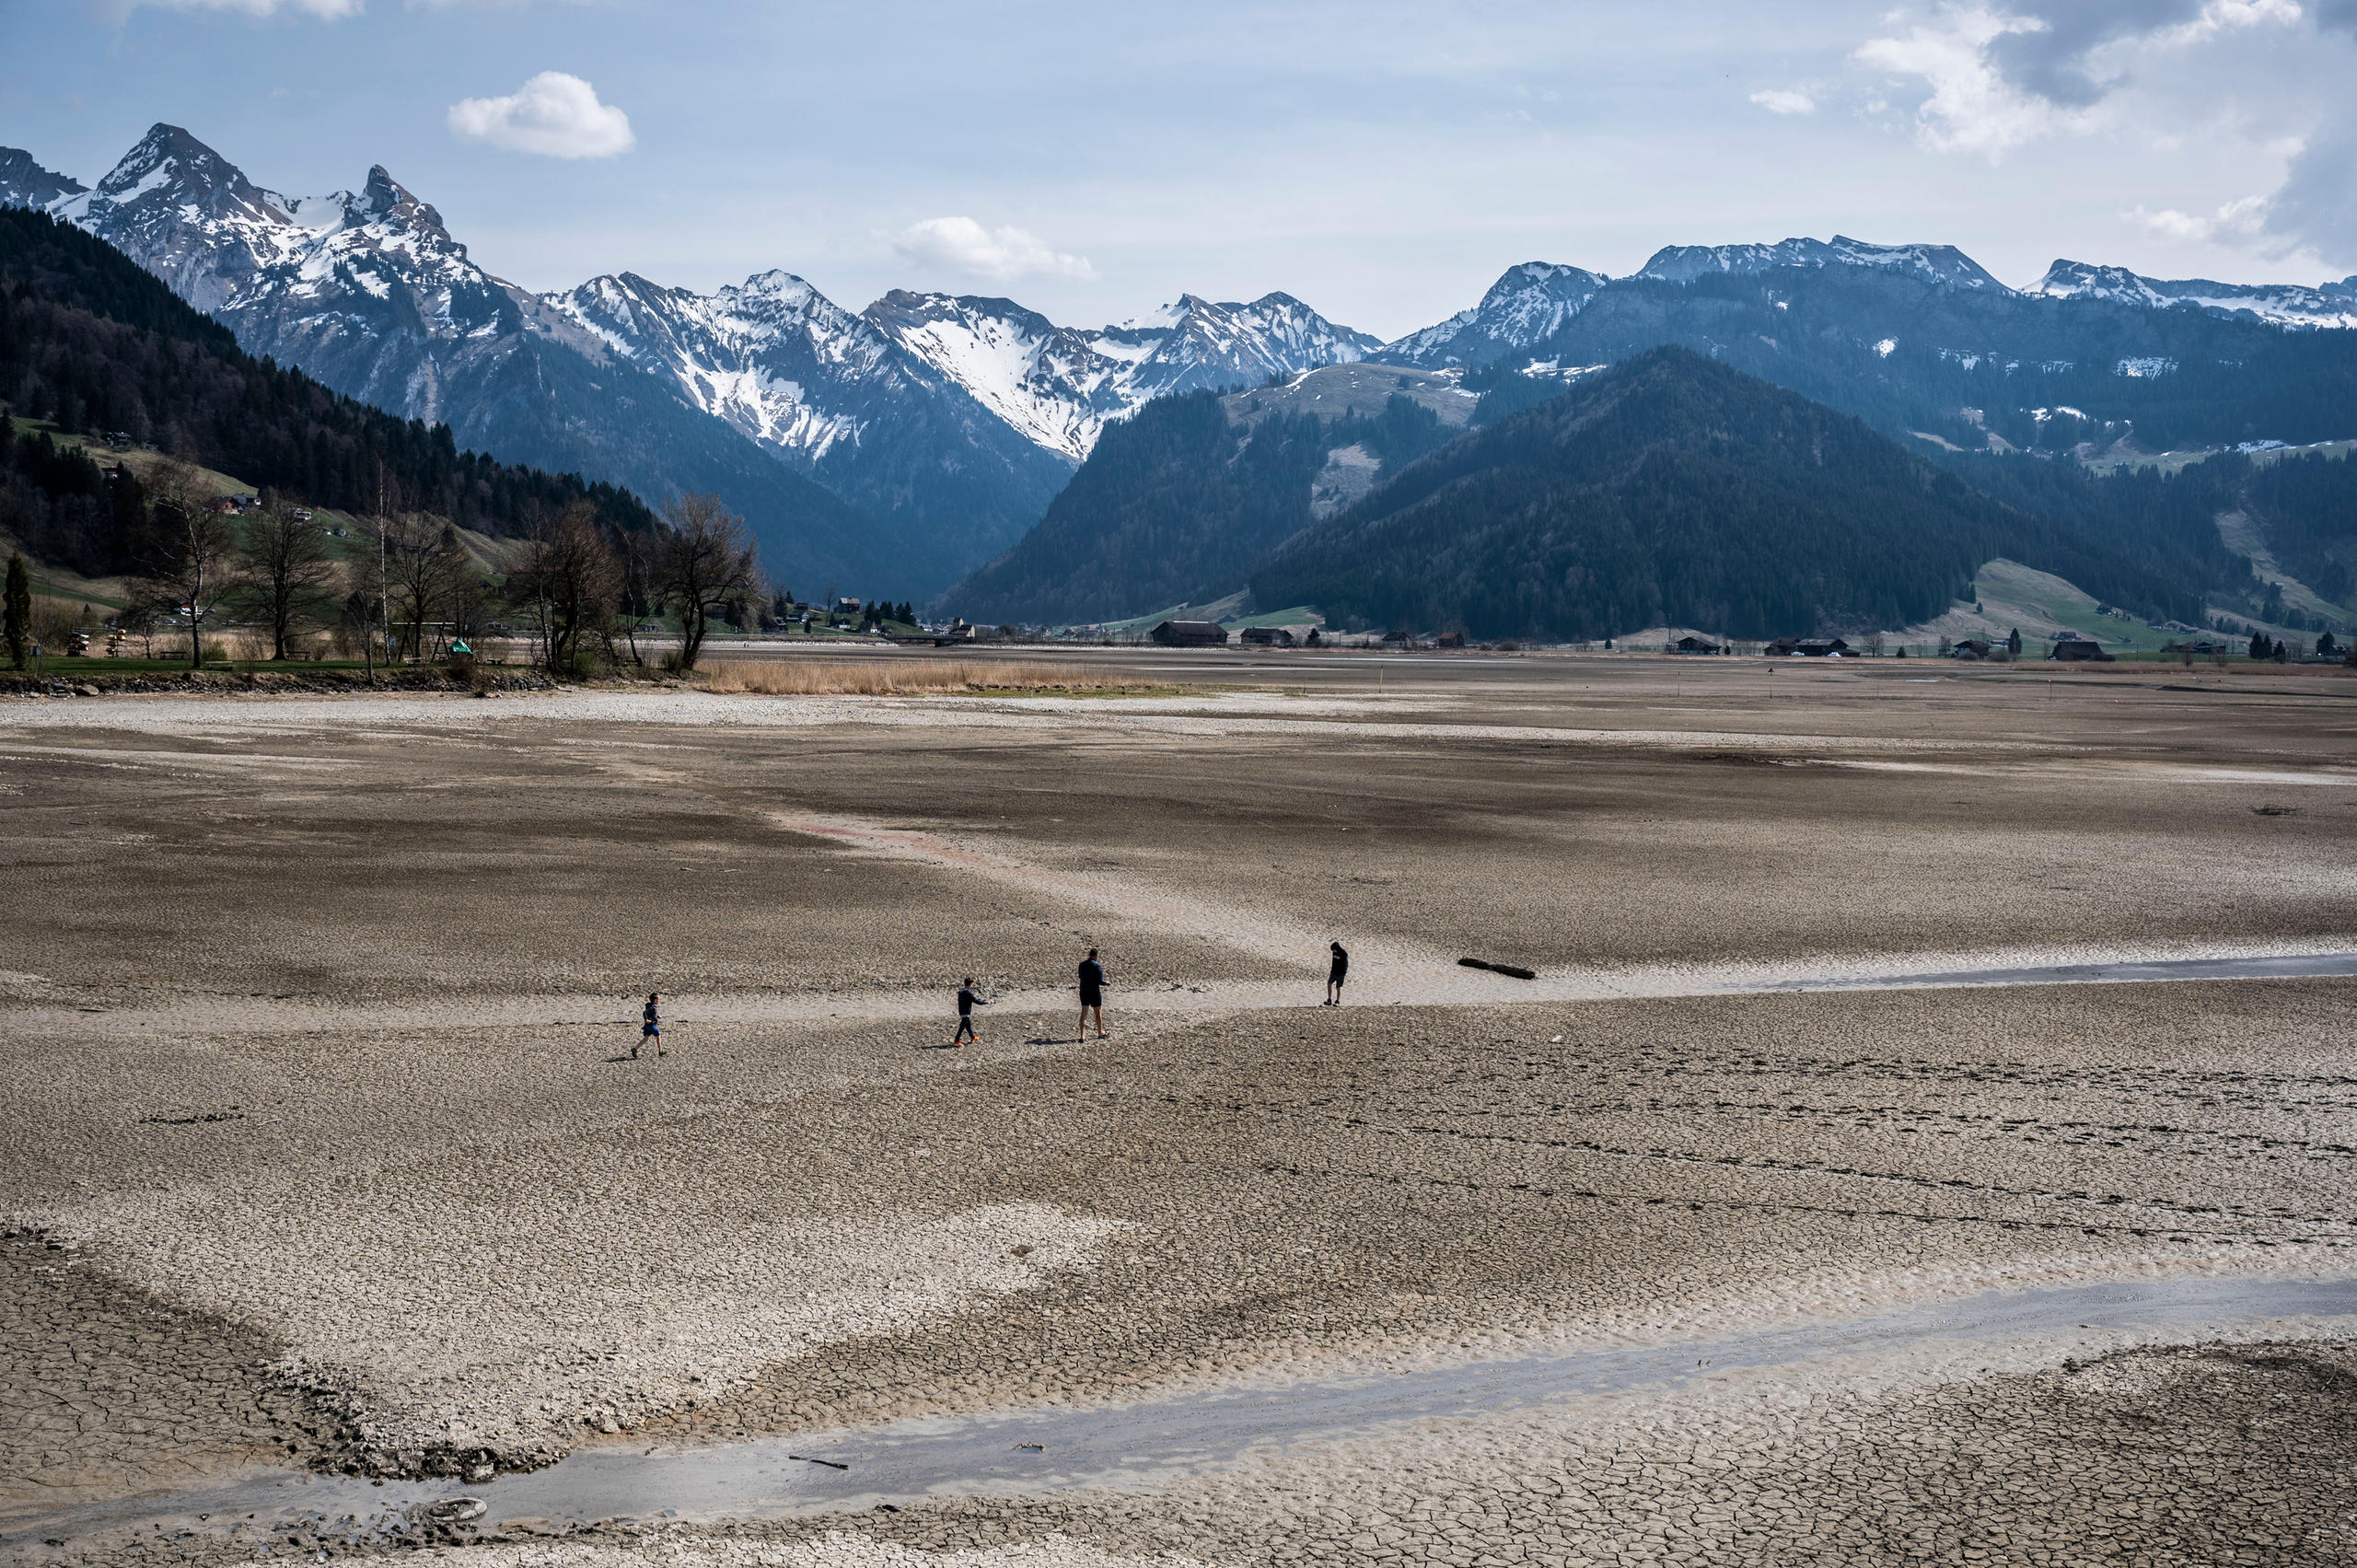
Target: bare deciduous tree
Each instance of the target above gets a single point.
(423, 565)
(186, 567)
(702, 558)
(289, 572)
(571, 580)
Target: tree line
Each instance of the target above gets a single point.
(405, 586)
(91, 344)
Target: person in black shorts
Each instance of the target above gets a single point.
(1092, 993)
(650, 1024)
(966, 1001)
(1340, 968)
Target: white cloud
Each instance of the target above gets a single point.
(2242, 220)
(553, 114)
(1778, 100)
(1973, 106)
(1002, 255)
(116, 12)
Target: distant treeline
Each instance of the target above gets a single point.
(92, 343)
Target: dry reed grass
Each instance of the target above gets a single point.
(804, 678)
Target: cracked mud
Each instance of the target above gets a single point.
(325, 1151)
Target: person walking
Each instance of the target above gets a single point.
(650, 1026)
(966, 1001)
(1338, 967)
(1092, 993)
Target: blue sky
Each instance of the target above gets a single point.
(1384, 161)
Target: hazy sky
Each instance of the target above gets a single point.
(1382, 160)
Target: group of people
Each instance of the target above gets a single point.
(1092, 1003)
(1092, 994)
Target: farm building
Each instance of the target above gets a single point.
(1189, 634)
(1693, 645)
(1268, 636)
(2079, 650)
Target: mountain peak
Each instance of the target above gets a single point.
(1527, 304)
(385, 200)
(2283, 305)
(1943, 264)
(25, 183)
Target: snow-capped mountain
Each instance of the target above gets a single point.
(1940, 263)
(1049, 382)
(368, 292)
(1059, 385)
(2281, 305)
(1531, 302)
(955, 419)
(824, 391)
(24, 183)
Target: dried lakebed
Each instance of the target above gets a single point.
(1143, 1444)
(1408, 981)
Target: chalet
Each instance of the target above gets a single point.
(1972, 649)
(1402, 637)
(1189, 634)
(1807, 648)
(1268, 636)
(1693, 645)
(1451, 639)
(2079, 650)
(2205, 648)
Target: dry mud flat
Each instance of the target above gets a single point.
(326, 1146)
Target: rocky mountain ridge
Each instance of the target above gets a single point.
(881, 447)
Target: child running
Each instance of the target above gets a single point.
(966, 1003)
(650, 1024)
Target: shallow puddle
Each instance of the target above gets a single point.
(1042, 1451)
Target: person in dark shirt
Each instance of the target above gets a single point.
(1340, 966)
(966, 1004)
(1092, 993)
(650, 1024)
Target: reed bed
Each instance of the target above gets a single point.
(917, 678)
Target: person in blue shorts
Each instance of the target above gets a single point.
(650, 1024)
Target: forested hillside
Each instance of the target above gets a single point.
(90, 342)
(1177, 504)
(1672, 489)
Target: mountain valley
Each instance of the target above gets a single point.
(1057, 474)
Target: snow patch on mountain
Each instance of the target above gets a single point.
(25, 183)
(2332, 306)
(758, 354)
(1059, 386)
(1524, 307)
(1942, 264)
